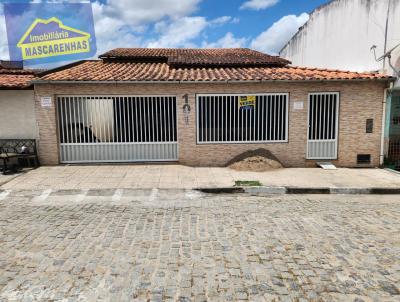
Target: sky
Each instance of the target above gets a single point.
(264, 25)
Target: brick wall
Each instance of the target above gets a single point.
(358, 102)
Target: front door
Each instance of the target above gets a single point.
(323, 116)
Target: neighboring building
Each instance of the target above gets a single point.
(17, 110)
(340, 35)
(202, 107)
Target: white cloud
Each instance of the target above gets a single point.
(179, 33)
(227, 41)
(235, 20)
(222, 20)
(139, 12)
(3, 37)
(182, 32)
(124, 39)
(112, 32)
(258, 4)
(122, 23)
(274, 38)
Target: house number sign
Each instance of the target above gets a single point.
(298, 105)
(45, 101)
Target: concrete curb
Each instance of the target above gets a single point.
(301, 190)
(265, 190)
(228, 190)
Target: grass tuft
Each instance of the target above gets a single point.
(247, 183)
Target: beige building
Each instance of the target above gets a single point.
(17, 111)
(203, 107)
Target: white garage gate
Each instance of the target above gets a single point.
(117, 128)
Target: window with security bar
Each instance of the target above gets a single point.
(323, 113)
(323, 110)
(257, 118)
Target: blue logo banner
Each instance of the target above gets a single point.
(40, 33)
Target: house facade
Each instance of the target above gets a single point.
(17, 111)
(203, 107)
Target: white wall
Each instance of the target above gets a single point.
(340, 34)
(17, 114)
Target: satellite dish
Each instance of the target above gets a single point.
(388, 54)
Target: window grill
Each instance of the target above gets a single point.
(369, 125)
(323, 113)
(363, 159)
(222, 118)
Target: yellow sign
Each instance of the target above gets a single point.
(49, 38)
(247, 102)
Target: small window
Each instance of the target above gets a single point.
(369, 125)
(363, 159)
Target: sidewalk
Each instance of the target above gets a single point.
(182, 177)
(6, 178)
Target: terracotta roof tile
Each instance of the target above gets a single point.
(197, 57)
(130, 71)
(16, 78)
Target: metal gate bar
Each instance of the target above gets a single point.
(323, 115)
(117, 128)
(220, 120)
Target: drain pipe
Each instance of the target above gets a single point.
(383, 133)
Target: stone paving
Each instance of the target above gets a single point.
(181, 245)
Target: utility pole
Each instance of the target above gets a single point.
(386, 34)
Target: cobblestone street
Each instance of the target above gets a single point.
(177, 245)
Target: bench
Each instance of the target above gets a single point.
(22, 150)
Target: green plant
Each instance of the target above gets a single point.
(247, 183)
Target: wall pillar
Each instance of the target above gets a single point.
(47, 126)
